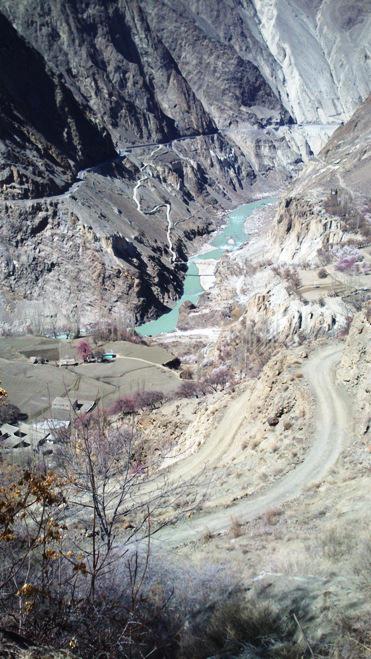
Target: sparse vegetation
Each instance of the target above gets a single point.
(271, 516)
(235, 528)
(207, 536)
(190, 389)
(291, 276)
(115, 329)
(237, 627)
(219, 377)
(341, 205)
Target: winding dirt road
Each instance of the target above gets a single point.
(332, 415)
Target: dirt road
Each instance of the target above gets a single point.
(332, 418)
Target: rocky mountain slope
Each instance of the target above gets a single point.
(232, 76)
(330, 203)
(313, 56)
(116, 233)
(111, 59)
(46, 135)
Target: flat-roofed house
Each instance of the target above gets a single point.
(64, 408)
(22, 436)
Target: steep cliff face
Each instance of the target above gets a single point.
(329, 204)
(321, 66)
(46, 135)
(314, 55)
(111, 59)
(154, 68)
(231, 87)
(271, 62)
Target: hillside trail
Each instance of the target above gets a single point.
(332, 415)
(150, 364)
(121, 153)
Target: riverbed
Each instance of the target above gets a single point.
(234, 234)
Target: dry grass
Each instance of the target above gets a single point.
(235, 528)
(271, 516)
(207, 536)
(238, 628)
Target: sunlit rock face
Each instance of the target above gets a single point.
(314, 54)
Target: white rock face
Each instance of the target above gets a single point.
(278, 149)
(314, 55)
(322, 67)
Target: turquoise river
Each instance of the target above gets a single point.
(231, 237)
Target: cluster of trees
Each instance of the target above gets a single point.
(115, 330)
(135, 402)
(218, 378)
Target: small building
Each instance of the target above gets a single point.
(22, 436)
(67, 362)
(38, 359)
(57, 428)
(63, 408)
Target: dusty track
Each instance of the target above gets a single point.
(332, 415)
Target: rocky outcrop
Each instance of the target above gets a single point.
(354, 373)
(229, 86)
(313, 55)
(268, 63)
(329, 204)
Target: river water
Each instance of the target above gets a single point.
(229, 238)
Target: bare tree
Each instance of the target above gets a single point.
(107, 469)
(220, 377)
(84, 349)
